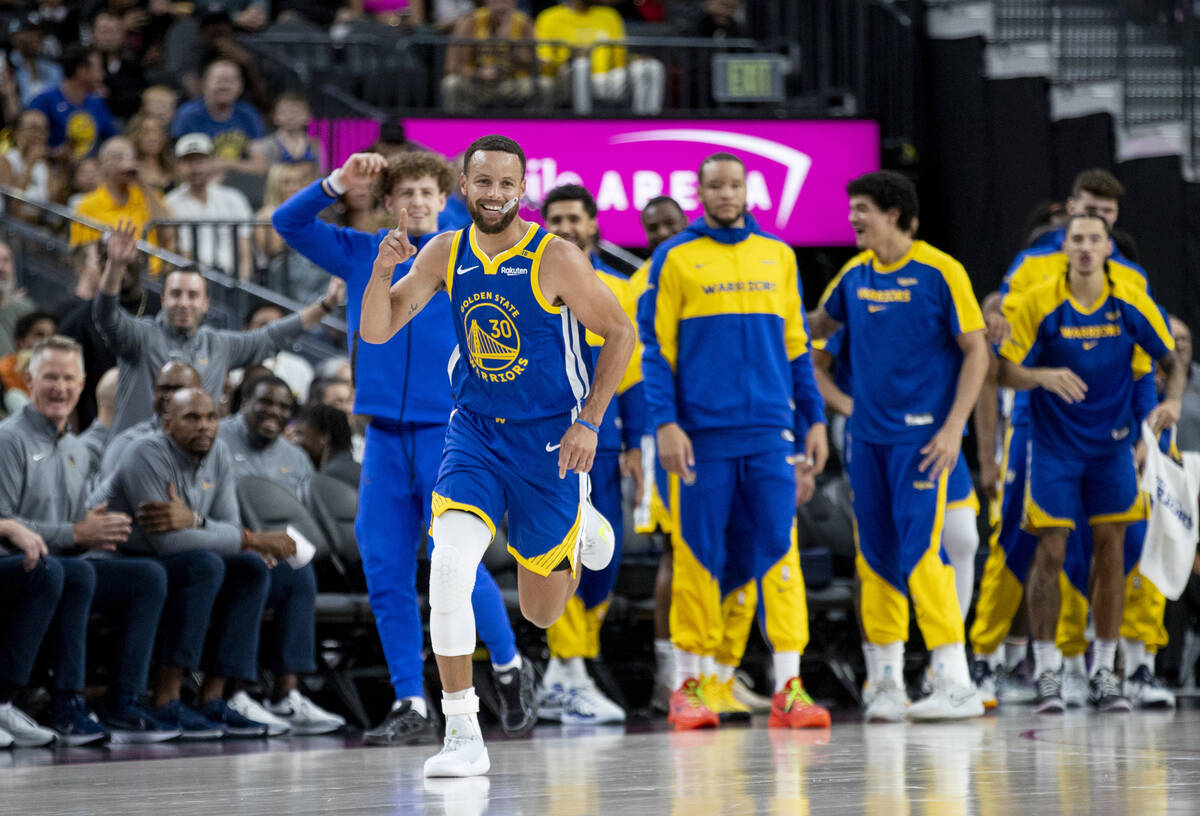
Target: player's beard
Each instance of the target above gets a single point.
(490, 229)
(726, 223)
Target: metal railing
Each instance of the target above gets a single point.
(42, 258)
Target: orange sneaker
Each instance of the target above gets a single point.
(793, 708)
(688, 709)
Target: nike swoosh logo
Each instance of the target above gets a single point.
(37, 457)
(552, 448)
(873, 309)
(461, 271)
(1091, 344)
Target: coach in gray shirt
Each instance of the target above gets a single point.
(43, 479)
(179, 483)
(175, 375)
(254, 437)
(143, 345)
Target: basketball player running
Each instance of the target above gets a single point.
(527, 408)
(407, 396)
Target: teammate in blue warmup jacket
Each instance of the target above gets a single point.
(403, 386)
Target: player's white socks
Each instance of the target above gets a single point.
(1015, 650)
(1134, 655)
(994, 660)
(515, 663)
(664, 658)
(686, 665)
(871, 658)
(787, 666)
(724, 673)
(960, 538)
(417, 704)
(889, 662)
(1104, 655)
(949, 663)
(1046, 657)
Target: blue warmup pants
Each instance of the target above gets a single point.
(130, 593)
(400, 468)
(27, 604)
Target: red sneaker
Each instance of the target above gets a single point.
(793, 708)
(688, 709)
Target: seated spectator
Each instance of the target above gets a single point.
(201, 198)
(96, 435)
(25, 165)
(31, 329)
(291, 368)
(143, 345)
(31, 584)
(13, 302)
(336, 389)
(323, 432)
(196, 521)
(61, 21)
(178, 484)
(172, 377)
(159, 101)
(79, 118)
(290, 143)
(43, 486)
(333, 391)
(221, 114)
(254, 437)
(33, 71)
(359, 209)
(121, 196)
(585, 27)
(288, 272)
(83, 178)
(495, 71)
(152, 145)
(123, 75)
(718, 19)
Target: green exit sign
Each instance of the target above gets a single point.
(748, 77)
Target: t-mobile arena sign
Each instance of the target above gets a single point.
(795, 180)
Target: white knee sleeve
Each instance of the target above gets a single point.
(960, 538)
(459, 541)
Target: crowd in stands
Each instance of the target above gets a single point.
(153, 111)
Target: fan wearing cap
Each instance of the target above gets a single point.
(31, 70)
(201, 198)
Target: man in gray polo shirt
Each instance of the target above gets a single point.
(179, 483)
(254, 437)
(43, 481)
(143, 345)
(173, 376)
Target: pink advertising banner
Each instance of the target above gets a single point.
(796, 170)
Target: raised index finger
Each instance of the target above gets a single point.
(402, 222)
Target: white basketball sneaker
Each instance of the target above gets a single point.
(1074, 686)
(949, 701)
(599, 541)
(885, 701)
(585, 704)
(463, 752)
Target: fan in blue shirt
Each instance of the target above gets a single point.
(79, 120)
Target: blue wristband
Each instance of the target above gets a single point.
(589, 426)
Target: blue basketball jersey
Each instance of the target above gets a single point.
(519, 357)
